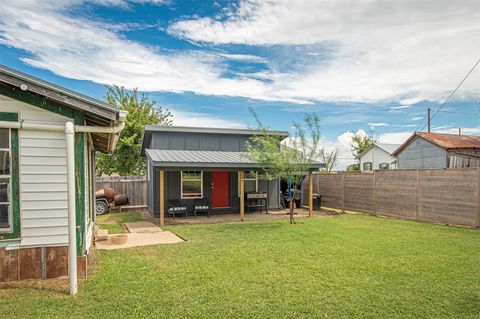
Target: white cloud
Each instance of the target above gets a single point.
(378, 50)
(127, 3)
(196, 119)
(379, 124)
(79, 48)
(343, 143)
(244, 57)
(400, 107)
(382, 50)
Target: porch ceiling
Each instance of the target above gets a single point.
(204, 160)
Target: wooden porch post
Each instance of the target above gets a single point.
(310, 195)
(162, 197)
(242, 196)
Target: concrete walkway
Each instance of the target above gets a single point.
(228, 218)
(140, 234)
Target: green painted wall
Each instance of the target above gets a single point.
(15, 200)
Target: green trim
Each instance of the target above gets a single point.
(80, 184)
(8, 243)
(15, 233)
(7, 116)
(87, 173)
(37, 101)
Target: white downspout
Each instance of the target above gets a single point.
(72, 233)
(70, 130)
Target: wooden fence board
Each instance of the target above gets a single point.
(358, 192)
(134, 186)
(396, 193)
(438, 195)
(330, 187)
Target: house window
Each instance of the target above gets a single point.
(5, 180)
(192, 184)
(250, 181)
(384, 166)
(367, 166)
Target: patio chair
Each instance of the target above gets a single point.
(175, 207)
(201, 206)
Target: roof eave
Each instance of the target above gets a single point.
(209, 130)
(56, 93)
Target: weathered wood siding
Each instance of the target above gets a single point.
(438, 195)
(449, 196)
(43, 177)
(134, 186)
(358, 192)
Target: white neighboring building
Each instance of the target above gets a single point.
(378, 156)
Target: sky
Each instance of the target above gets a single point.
(371, 66)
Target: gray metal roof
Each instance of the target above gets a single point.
(389, 148)
(191, 129)
(204, 159)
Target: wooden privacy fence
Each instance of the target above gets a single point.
(450, 196)
(134, 186)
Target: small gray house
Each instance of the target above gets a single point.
(191, 165)
(437, 150)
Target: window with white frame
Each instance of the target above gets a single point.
(192, 184)
(5, 179)
(250, 181)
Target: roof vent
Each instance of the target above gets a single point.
(23, 87)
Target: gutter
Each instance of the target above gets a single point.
(69, 129)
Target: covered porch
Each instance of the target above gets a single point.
(223, 179)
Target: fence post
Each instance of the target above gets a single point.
(417, 208)
(374, 192)
(477, 219)
(343, 193)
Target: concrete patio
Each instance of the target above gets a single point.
(228, 218)
(140, 234)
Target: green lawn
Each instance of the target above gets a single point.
(350, 266)
(113, 222)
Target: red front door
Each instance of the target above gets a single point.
(220, 189)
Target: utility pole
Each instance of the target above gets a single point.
(428, 116)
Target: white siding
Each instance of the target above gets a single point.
(376, 156)
(43, 177)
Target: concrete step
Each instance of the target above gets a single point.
(101, 235)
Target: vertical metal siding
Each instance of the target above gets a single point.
(422, 154)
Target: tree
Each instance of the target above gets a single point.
(329, 158)
(360, 142)
(289, 162)
(126, 159)
(353, 167)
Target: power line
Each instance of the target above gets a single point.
(461, 113)
(454, 91)
(419, 125)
